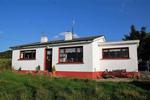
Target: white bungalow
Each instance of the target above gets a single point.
(86, 57)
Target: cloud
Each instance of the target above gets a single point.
(75, 35)
(59, 36)
(56, 37)
(62, 34)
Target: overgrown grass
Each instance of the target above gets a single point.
(5, 64)
(15, 86)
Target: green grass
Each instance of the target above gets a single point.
(15, 86)
(5, 64)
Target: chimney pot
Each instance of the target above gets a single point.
(44, 39)
(68, 36)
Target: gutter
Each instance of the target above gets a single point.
(50, 45)
(119, 43)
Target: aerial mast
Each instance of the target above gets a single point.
(73, 23)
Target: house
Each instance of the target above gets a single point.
(86, 57)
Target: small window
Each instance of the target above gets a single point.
(71, 55)
(115, 53)
(27, 54)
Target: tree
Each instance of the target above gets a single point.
(144, 45)
(133, 35)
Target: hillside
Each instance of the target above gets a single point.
(6, 54)
(5, 60)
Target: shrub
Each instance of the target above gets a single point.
(5, 64)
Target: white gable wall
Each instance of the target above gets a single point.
(28, 64)
(131, 64)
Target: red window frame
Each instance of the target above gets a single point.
(77, 62)
(104, 57)
(22, 54)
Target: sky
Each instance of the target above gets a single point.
(23, 21)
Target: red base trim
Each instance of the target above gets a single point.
(91, 75)
(133, 74)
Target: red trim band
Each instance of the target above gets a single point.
(91, 75)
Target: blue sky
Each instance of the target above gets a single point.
(23, 21)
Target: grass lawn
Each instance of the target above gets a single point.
(15, 86)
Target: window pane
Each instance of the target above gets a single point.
(62, 55)
(33, 55)
(62, 50)
(116, 53)
(70, 50)
(28, 54)
(105, 50)
(62, 59)
(79, 57)
(114, 50)
(48, 52)
(22, 54)
(79, 49)
(71, 55)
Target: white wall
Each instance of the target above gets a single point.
(87, 60)
(28, 64)
(130, 64)
(91, 56)
(96, 53)
(86, 66)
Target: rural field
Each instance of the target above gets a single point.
(14, 86)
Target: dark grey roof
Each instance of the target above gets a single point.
(90, 38)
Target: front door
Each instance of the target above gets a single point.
(48, 60)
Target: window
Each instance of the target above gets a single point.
(28, 54)
(71, 55)
(115, 53)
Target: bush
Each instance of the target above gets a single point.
(5, 64)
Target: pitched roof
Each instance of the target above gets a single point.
(90, 38)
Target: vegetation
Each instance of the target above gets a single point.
(6, 54)
(144, 37)
(5, 60)
(5, 64)
(15, 86)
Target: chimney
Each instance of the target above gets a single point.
(44, 39)
(68, 36)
